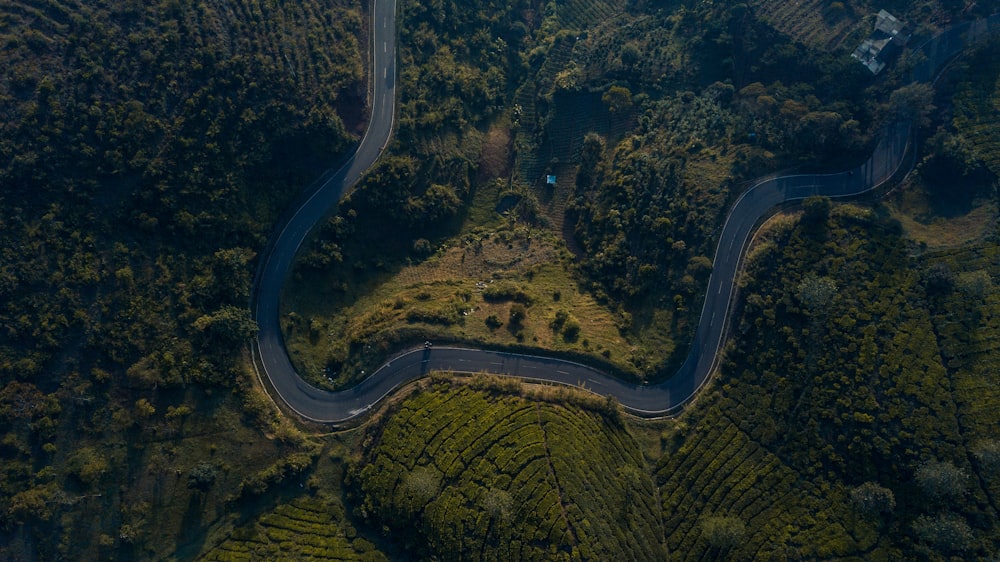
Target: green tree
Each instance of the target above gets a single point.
(872, 500)
(816, 292)
(942, 480)
(202, 476)
(230, 325)
(816, 210)
(946, 532)
(618, 99)
(517, 314)
(939, 279)
(987, 453)
(914, 102)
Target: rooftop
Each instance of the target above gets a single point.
(889, 32)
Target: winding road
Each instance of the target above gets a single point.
(889, 159)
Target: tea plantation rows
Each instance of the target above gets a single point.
(490, 477)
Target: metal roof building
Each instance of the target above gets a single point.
(888, 34)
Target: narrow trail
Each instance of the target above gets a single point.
(891, 159)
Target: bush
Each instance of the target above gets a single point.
(517, 313)
(506, 291)
(571, 331)
(202, 476)
(946, 532)
(493, 322)
(871, 499)
(942, 480)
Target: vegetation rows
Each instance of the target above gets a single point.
(849, 374)
(459, 473)
(305, 528)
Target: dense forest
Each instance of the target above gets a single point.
(147, 152)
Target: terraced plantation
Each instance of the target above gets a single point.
(817, 23)
(720, 474)
(977, 122)
(844, 377)
(967, 326)
(477, 475)
(306, 528)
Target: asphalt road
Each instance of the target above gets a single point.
(890, 157)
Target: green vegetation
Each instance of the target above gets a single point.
(649, 146)
(305, 528)
(873, 404)
(306, 525)
(146, 152)
(458, 472)
(951, 199)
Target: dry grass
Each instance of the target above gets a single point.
(451, 285)
(494, 159)
(951, 232)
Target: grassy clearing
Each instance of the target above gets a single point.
(937, 232)
(183, 472)
(502, 281)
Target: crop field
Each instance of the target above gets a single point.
(305, 528)
(818, 23)
(584, 14)
(968, 331)
(720, 471)
(977, 107)
(496, 477)
(864, 382)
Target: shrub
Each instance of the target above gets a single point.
(506, 291)
(871, 499)
(942, 480)
(571, 331)
(493, 322)
(202, 476)
(723, 532)
(946, 532)
(517, 313)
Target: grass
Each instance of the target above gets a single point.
(936, 231)
(447, 297)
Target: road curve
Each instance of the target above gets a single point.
(889, 159)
